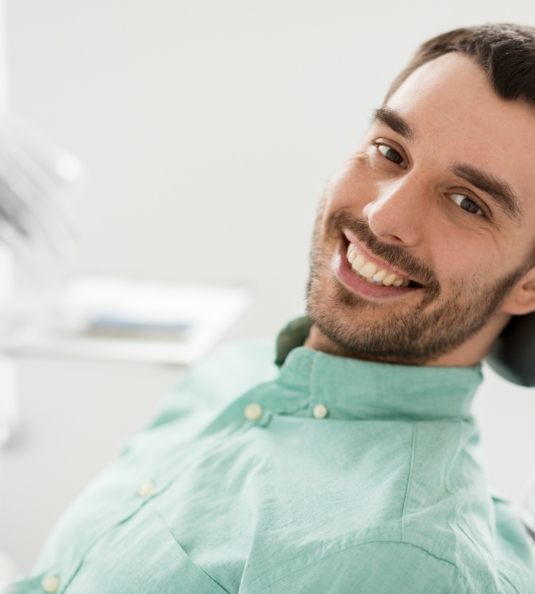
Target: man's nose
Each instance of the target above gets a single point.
(399, 211)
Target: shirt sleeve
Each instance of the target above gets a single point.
(374, 568)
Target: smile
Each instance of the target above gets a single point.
(371, 272)
(367, 275)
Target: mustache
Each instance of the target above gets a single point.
(390, 253)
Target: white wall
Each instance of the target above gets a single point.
(208, 130)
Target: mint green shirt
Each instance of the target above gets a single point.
(330, 475)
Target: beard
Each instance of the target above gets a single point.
(396, 332)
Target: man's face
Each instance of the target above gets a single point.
(439, 195)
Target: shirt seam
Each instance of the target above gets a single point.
(409, 479)
(448, 478)
(499, 573)
(505, 578)
(157, 512)
(354, 546)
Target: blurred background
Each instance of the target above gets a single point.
(207, 131)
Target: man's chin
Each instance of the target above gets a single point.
(349, 325)
(327, 336)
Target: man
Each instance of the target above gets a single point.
(355, 467)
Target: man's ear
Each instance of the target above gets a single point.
(521, 299)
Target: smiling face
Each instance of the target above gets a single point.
(438, 204)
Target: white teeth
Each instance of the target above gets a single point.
(358, 263)
(379, 276)
(371, 271)
(389, 280)
(368, 270)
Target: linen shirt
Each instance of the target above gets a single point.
(328, 475)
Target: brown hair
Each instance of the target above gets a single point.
(505, 51)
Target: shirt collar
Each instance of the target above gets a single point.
(355, 388)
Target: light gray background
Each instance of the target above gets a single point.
(208, 130)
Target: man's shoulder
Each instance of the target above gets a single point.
(374, 566)
(378, 565)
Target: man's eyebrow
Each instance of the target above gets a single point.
(500, 191)
(394, 120)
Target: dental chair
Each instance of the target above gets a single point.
(513, 357)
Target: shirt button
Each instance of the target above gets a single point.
(320, 411)
(50, 584)
(146, 489)
(253, 411)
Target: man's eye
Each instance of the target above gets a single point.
(462, 200)
(466, 203)
(389, 153)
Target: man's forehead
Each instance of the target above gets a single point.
(453, 93)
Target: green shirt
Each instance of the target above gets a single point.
(330, 475)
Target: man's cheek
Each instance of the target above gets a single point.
(357, 187)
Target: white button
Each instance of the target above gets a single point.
(146, 489)
(50, 583)
(320, 411)
(253, 411)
